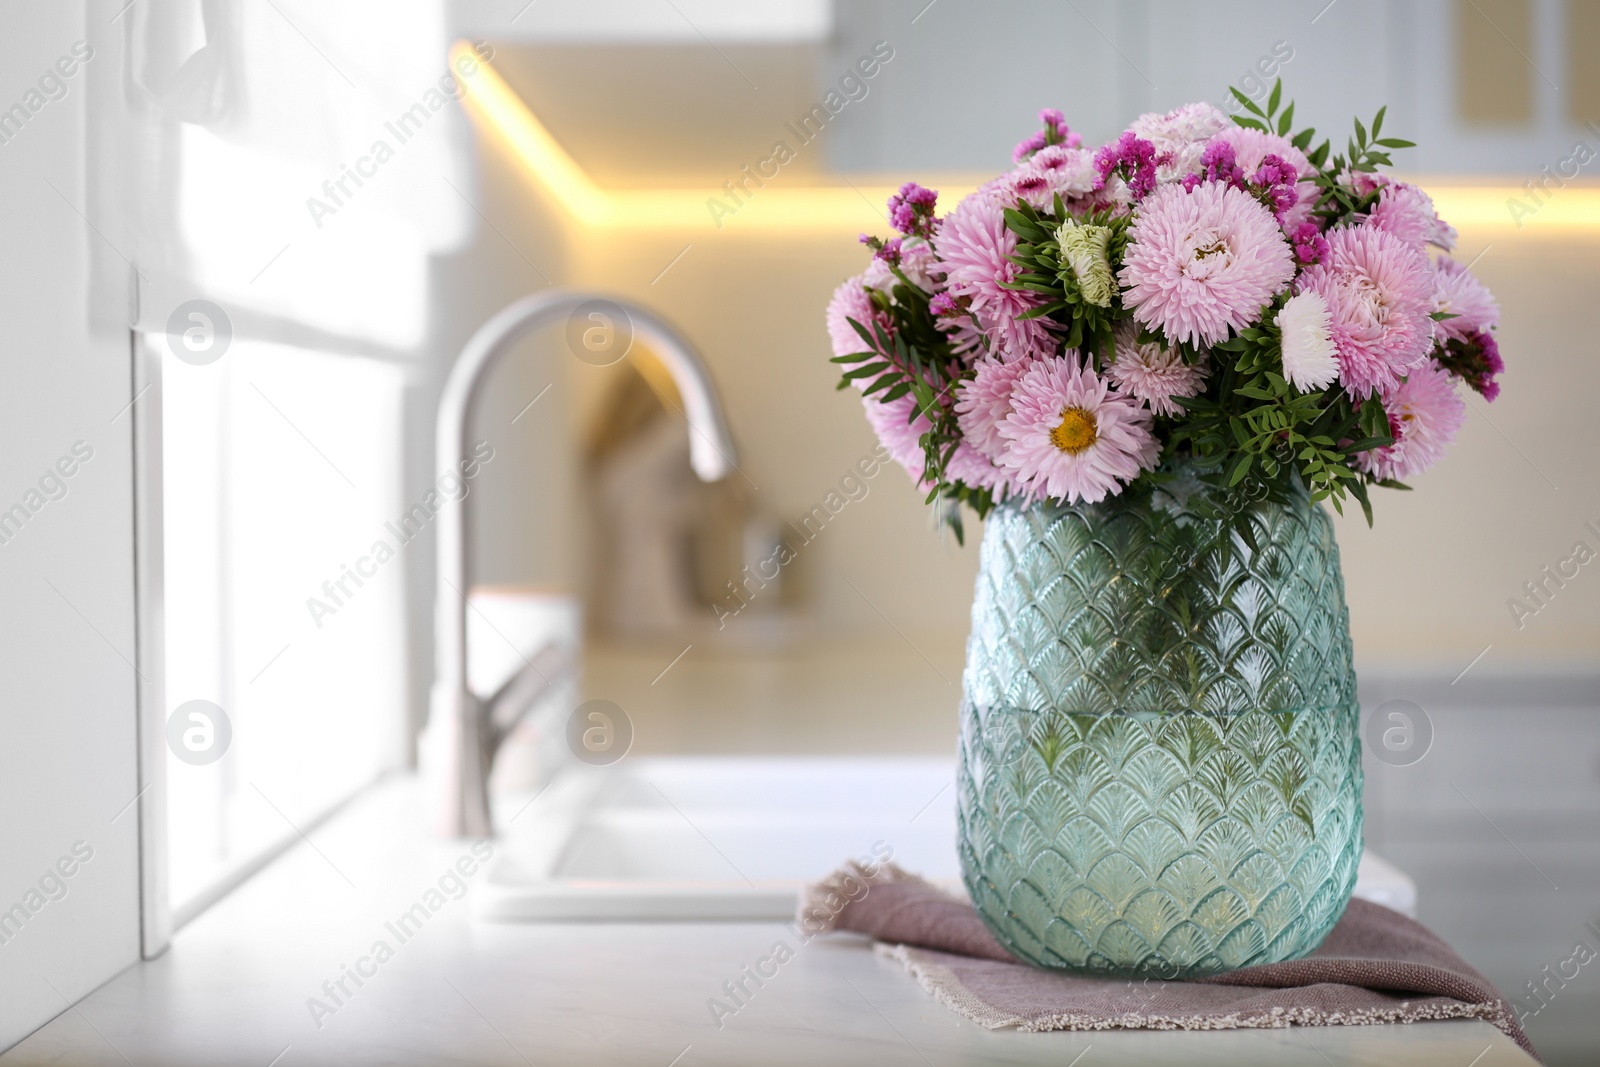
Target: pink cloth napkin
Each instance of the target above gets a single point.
(1376, 966)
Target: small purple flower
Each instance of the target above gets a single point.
(1056, 131)
(1221, 164)
(1474, 359)
(1309, 244)
(1132, 156)
(941, 305)
(911, 210)
(890, 252)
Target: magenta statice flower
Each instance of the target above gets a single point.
(1055, 132)
(1309, 244)
(1133, 159)
(1475, 359)
(984, 401)
(1071, 437)
(902, 438)
(911, 210)
(1154, 373)
(1379, 291)
(1457, 293)
(1201, 263)
(1251, 149)
(1424, 414)
(916, 260)
(975, 246)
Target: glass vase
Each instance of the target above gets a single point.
(1160, 770)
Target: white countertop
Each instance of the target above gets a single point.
(234, 988)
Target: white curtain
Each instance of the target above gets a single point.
(293, 160)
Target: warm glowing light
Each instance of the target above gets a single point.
(852, 208)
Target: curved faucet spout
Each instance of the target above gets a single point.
(466, 731)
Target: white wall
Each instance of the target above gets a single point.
(67, 717)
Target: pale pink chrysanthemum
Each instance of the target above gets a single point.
(1055, 170)
(975, 245)
(1456, 292)
(850, 301)
(1404, 210)
(1154, 373)
(970, 467)
(903, 439)
(1250, 147)
(1071, 437)
(1180, 137)
(1305, 324)
(1380, 296)
(1200, 263)
(1424, 414)
(984, 401)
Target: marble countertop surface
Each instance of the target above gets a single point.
(287, 970)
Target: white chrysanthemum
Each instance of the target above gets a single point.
(1310, 361)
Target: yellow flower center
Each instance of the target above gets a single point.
(1076, 432)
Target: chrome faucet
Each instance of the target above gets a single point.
(465, 731)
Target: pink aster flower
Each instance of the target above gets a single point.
(1180, 137)
(1456, 292)
(975, 246)
(1424, 414)
(984, 401)
(1070, 437)
(970, 467)
(1202, 262)
(850, 301)
(1053, 171)
(903, 439)
(1154, 373)
(1380, 296)
(1251, 149)
(1404, 210)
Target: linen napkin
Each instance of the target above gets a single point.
(1376, 966)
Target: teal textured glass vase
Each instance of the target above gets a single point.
(1160, 767)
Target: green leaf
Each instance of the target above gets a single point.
(1250, 124)
(1302, 140)
(897, 392)
(1277, 94)
(1377, 120)
(854, 357)
(1238, 468)
(868, 370)
(1249, 104)
(1286, 120)
(885, 382)
(1395, 142)
(1361, 135)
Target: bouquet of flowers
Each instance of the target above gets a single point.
(1199, 292)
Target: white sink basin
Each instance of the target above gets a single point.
(717, 838)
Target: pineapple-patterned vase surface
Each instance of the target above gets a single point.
(1160, 767)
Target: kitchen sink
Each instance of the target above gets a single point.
(735, 838)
